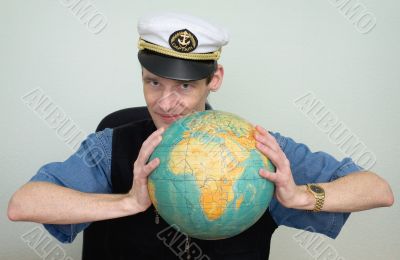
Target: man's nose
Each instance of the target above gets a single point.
(169, 102)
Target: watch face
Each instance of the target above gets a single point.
(316, 189)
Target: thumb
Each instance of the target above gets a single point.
(268, 175)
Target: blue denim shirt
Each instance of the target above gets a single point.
(89, 170)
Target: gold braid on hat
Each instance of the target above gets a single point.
(188, 56)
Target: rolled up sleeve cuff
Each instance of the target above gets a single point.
(309, 167)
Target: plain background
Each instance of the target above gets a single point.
(279, 51)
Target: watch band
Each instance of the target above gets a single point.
(319, 194)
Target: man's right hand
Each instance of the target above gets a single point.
(32, 202)
(142, 169)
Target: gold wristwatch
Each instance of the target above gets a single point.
(319, 194)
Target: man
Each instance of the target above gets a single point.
(179, 54)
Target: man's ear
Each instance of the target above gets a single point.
(217, 78)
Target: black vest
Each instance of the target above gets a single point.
(139, 237)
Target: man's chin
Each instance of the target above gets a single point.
(159, 124)
(165, 126)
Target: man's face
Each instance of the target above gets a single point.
(168, 100)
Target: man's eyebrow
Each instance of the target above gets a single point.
(187, 81)
(150, 78)
(155, 78)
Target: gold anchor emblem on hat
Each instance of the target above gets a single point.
(183, 41)
(185, 35)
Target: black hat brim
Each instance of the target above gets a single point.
(175, 68)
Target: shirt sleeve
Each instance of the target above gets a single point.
(87, 170)
(309, 167)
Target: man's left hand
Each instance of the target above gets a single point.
(286, 190)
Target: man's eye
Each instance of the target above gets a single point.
(185, 86)
(154, 83)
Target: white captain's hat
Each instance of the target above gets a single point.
(179, 46)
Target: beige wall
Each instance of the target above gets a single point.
(280, 53)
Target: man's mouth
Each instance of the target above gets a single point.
(168, 118)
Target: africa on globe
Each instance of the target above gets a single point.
(207, 183)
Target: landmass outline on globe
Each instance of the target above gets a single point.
(207, 183)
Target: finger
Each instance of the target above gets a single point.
(268, 152)
(147, 149)
(272, 139)
(261, 130)
(268, 175)
(149, 145)
(265, 137)
(267, 142)
(270, 142)
(151, 166)
(279, 159)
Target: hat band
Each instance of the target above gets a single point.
(188, 56)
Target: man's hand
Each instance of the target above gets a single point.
(68, 206)
(139, 192)
(286, 191)
(353, 192)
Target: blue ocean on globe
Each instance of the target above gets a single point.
(207, 183)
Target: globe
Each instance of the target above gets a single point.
(207, 183)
